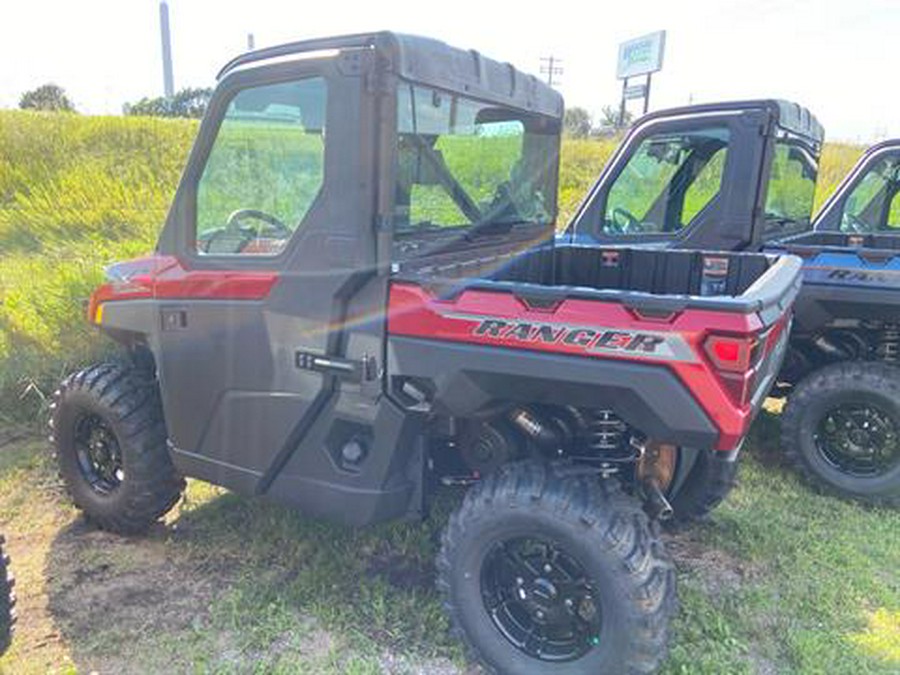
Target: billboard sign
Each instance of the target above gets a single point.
(642, 55)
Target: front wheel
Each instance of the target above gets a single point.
(841, 429)
(546, 573)
(7, 600)
(110, 441)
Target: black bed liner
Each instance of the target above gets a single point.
(838, 242)
(651, 280)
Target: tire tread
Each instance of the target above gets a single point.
(873, 375)
(606, 514)
(7, 600)
(133, 401)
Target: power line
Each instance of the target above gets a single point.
(551, 66)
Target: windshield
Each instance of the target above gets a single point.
(468, 166)
(791, 189)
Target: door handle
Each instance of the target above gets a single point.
(173, 319)
(356, 371)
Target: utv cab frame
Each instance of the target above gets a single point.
(719, 176)
(742, 176)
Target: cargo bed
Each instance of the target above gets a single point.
(649, 279)
(845, 276)
(683, 345)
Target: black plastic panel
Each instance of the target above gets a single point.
(470, 379)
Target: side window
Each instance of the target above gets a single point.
(264, 171)
(666, 183)
(873, 205)
(893, 219)
(791, 189)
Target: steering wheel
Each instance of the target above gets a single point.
(626, 222)
(233, 224)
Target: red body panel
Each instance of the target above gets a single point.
(164, 277)
(590, 329)
(578, 327)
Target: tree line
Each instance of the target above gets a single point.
(189, 102)
(578, 123)
(192, 102)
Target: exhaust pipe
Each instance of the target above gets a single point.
(531, 425)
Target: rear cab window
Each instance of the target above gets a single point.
(466, 166)
(791, 190)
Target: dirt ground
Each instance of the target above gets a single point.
(230, 585)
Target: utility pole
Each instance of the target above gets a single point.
(168, 79)
(550, 66)
(251, 42)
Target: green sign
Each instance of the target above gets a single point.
(641, 55)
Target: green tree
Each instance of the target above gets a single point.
(609, 119)
(50, 97)
(189, 102)
(577, 123)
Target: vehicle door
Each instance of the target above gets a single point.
(272, 230)
(686, 180)
(867, 200)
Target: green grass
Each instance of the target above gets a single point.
(783, 580)
(816, 589)
(77, 193)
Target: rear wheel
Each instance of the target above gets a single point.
(110, 441)
(546, 573)
(712, 477)
(7, 600)
(841, 429)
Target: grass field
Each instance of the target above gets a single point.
(79, 192)
(782, 580)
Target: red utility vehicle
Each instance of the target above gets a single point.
(357, 298)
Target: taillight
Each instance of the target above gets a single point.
(735, 359)
(732, 354)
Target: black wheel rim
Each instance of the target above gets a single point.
(98, 453)
(540, 598)
(858, 439)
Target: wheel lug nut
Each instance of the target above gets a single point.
(539, 614)
(520, 581)
(569, 603)
(547, 569)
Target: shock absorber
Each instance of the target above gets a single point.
(604, 432)
(888, 348)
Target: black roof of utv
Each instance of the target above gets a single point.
(433, 63)
(790, 116)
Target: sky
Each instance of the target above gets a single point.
(833, 56)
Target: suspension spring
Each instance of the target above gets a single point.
(888, 348)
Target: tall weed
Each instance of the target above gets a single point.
(79, 192)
